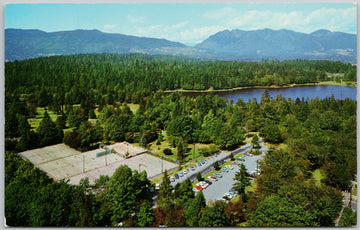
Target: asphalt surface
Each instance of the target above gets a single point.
(218, 188)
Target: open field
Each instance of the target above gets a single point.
(35, 122)
(61, 162)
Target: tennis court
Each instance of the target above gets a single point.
(62, 162)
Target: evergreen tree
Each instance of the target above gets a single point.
(213, 216)
(242, 178)
(192, 212)
(48, 133)
(164, 198)
(216, 165)
(255, 141)
(145, 216)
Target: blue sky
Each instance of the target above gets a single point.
(189, 23)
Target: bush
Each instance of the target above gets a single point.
(232, 156)
(199, 176)
(216, 165)
(168, 151)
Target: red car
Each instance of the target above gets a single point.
(198, 187)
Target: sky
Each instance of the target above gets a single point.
(189, 23)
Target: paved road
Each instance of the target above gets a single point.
(217, 189)
(346, 200)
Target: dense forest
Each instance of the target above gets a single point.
(89, 94)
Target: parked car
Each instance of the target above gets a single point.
(181, 173)
(172, 178)
(240, 159)
(185, 172)
(157, 186)
(217, 175)
(232, 194)
(215, 154)
(208, 181)
(232, 190)
(229, 167)
(199, 164)
(254, 174)
(203, 184)
(202, 162)
(176, 176)
(195, 190)
(198, 187)
(225, 170)
(193, 168)
(226, 198)
(212, 178)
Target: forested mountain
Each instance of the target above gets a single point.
(225, 45)
(282, 44)
(25, 44)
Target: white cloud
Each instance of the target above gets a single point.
(135, 19)
(197, 35)
(109, 27)
(220, 13)
(332, 19)
(229, 18)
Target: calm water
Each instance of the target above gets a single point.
(308, 92)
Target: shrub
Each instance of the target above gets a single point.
(167, 151)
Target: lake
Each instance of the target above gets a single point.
(308, 92)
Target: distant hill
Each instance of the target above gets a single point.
(24, 44)
(282, 44)
(225, 45)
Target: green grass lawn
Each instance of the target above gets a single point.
(40, 111)
(189, 156)
(134, 107)
(317, 175)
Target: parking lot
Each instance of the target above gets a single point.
(218, 188)
(224, 184)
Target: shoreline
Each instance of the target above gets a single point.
(256, 87)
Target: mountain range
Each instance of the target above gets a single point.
(225, 45)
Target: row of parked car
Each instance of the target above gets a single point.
(215, 176)
(228, 196)
(186, 171)
(202, 185)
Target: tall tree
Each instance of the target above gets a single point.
(48, 133)
(192, 212)
(213, 216)
(165, 196)
(242, 179)
(145, 216)
(124, 191)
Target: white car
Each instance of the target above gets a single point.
(185, 171)
(229, 167)
(172, 178)
(203, 184)
(195, 190)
